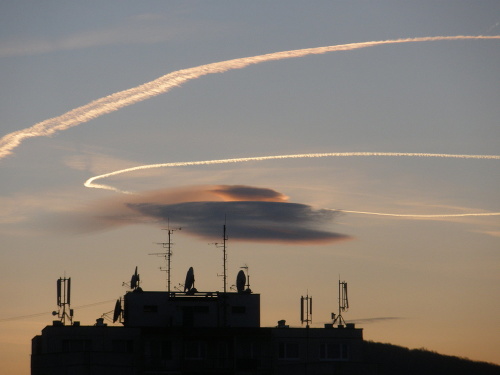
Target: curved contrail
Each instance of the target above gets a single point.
(165, 83)
(90, 183)
(417, 216)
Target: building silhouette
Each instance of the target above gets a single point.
(192, 332)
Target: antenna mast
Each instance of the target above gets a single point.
(245, 267)
(168, 253)
(306, 309)
(64, 299)
(343, 303)
(224, 255)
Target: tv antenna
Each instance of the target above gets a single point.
(306, 309)
(343, 303)
(64, 300)
(224, 255)
(168, 253)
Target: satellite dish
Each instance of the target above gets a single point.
(189, 280)
(134, 282)
(241, 279)
(118, 310)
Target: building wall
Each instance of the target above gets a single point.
(316, 350)
(75, 350)
(163, 309)
(190, 350)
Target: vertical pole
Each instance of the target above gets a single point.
(224, 258)
(306, 307)
(340, 311)
(302, 309)
(64, 301)
(169, 253)
(59, 292)
(307, 311)
(225, 305)
(64, 298)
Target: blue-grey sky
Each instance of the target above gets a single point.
(439, 276)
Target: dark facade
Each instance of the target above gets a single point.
(194, 333)
(180, 350)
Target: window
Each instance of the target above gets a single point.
(238, 309)
(333, 352)
(160, 349)
(251, 349)
(201, 309)
(150, 308)
(122, 346)
(77, 345)
(195, 350)
(288, 350)
(223, 354)
(157, 352)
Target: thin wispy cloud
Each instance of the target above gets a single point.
(23, 207)
(492, 233)
(140, 29)
(375, 320)
(96, 161)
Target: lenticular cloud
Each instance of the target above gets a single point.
(167, 82)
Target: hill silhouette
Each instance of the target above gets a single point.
(388, 359)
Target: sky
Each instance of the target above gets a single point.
(299, 223)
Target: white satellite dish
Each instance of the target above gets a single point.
(189, 280)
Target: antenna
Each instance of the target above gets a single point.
(343, 303)
(64, 299)
(224, 255)
(306, 308)
(168, 253)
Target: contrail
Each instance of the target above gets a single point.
(418, 215)
(90, 182)
(169, 81)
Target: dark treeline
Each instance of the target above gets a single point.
(387, 359)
